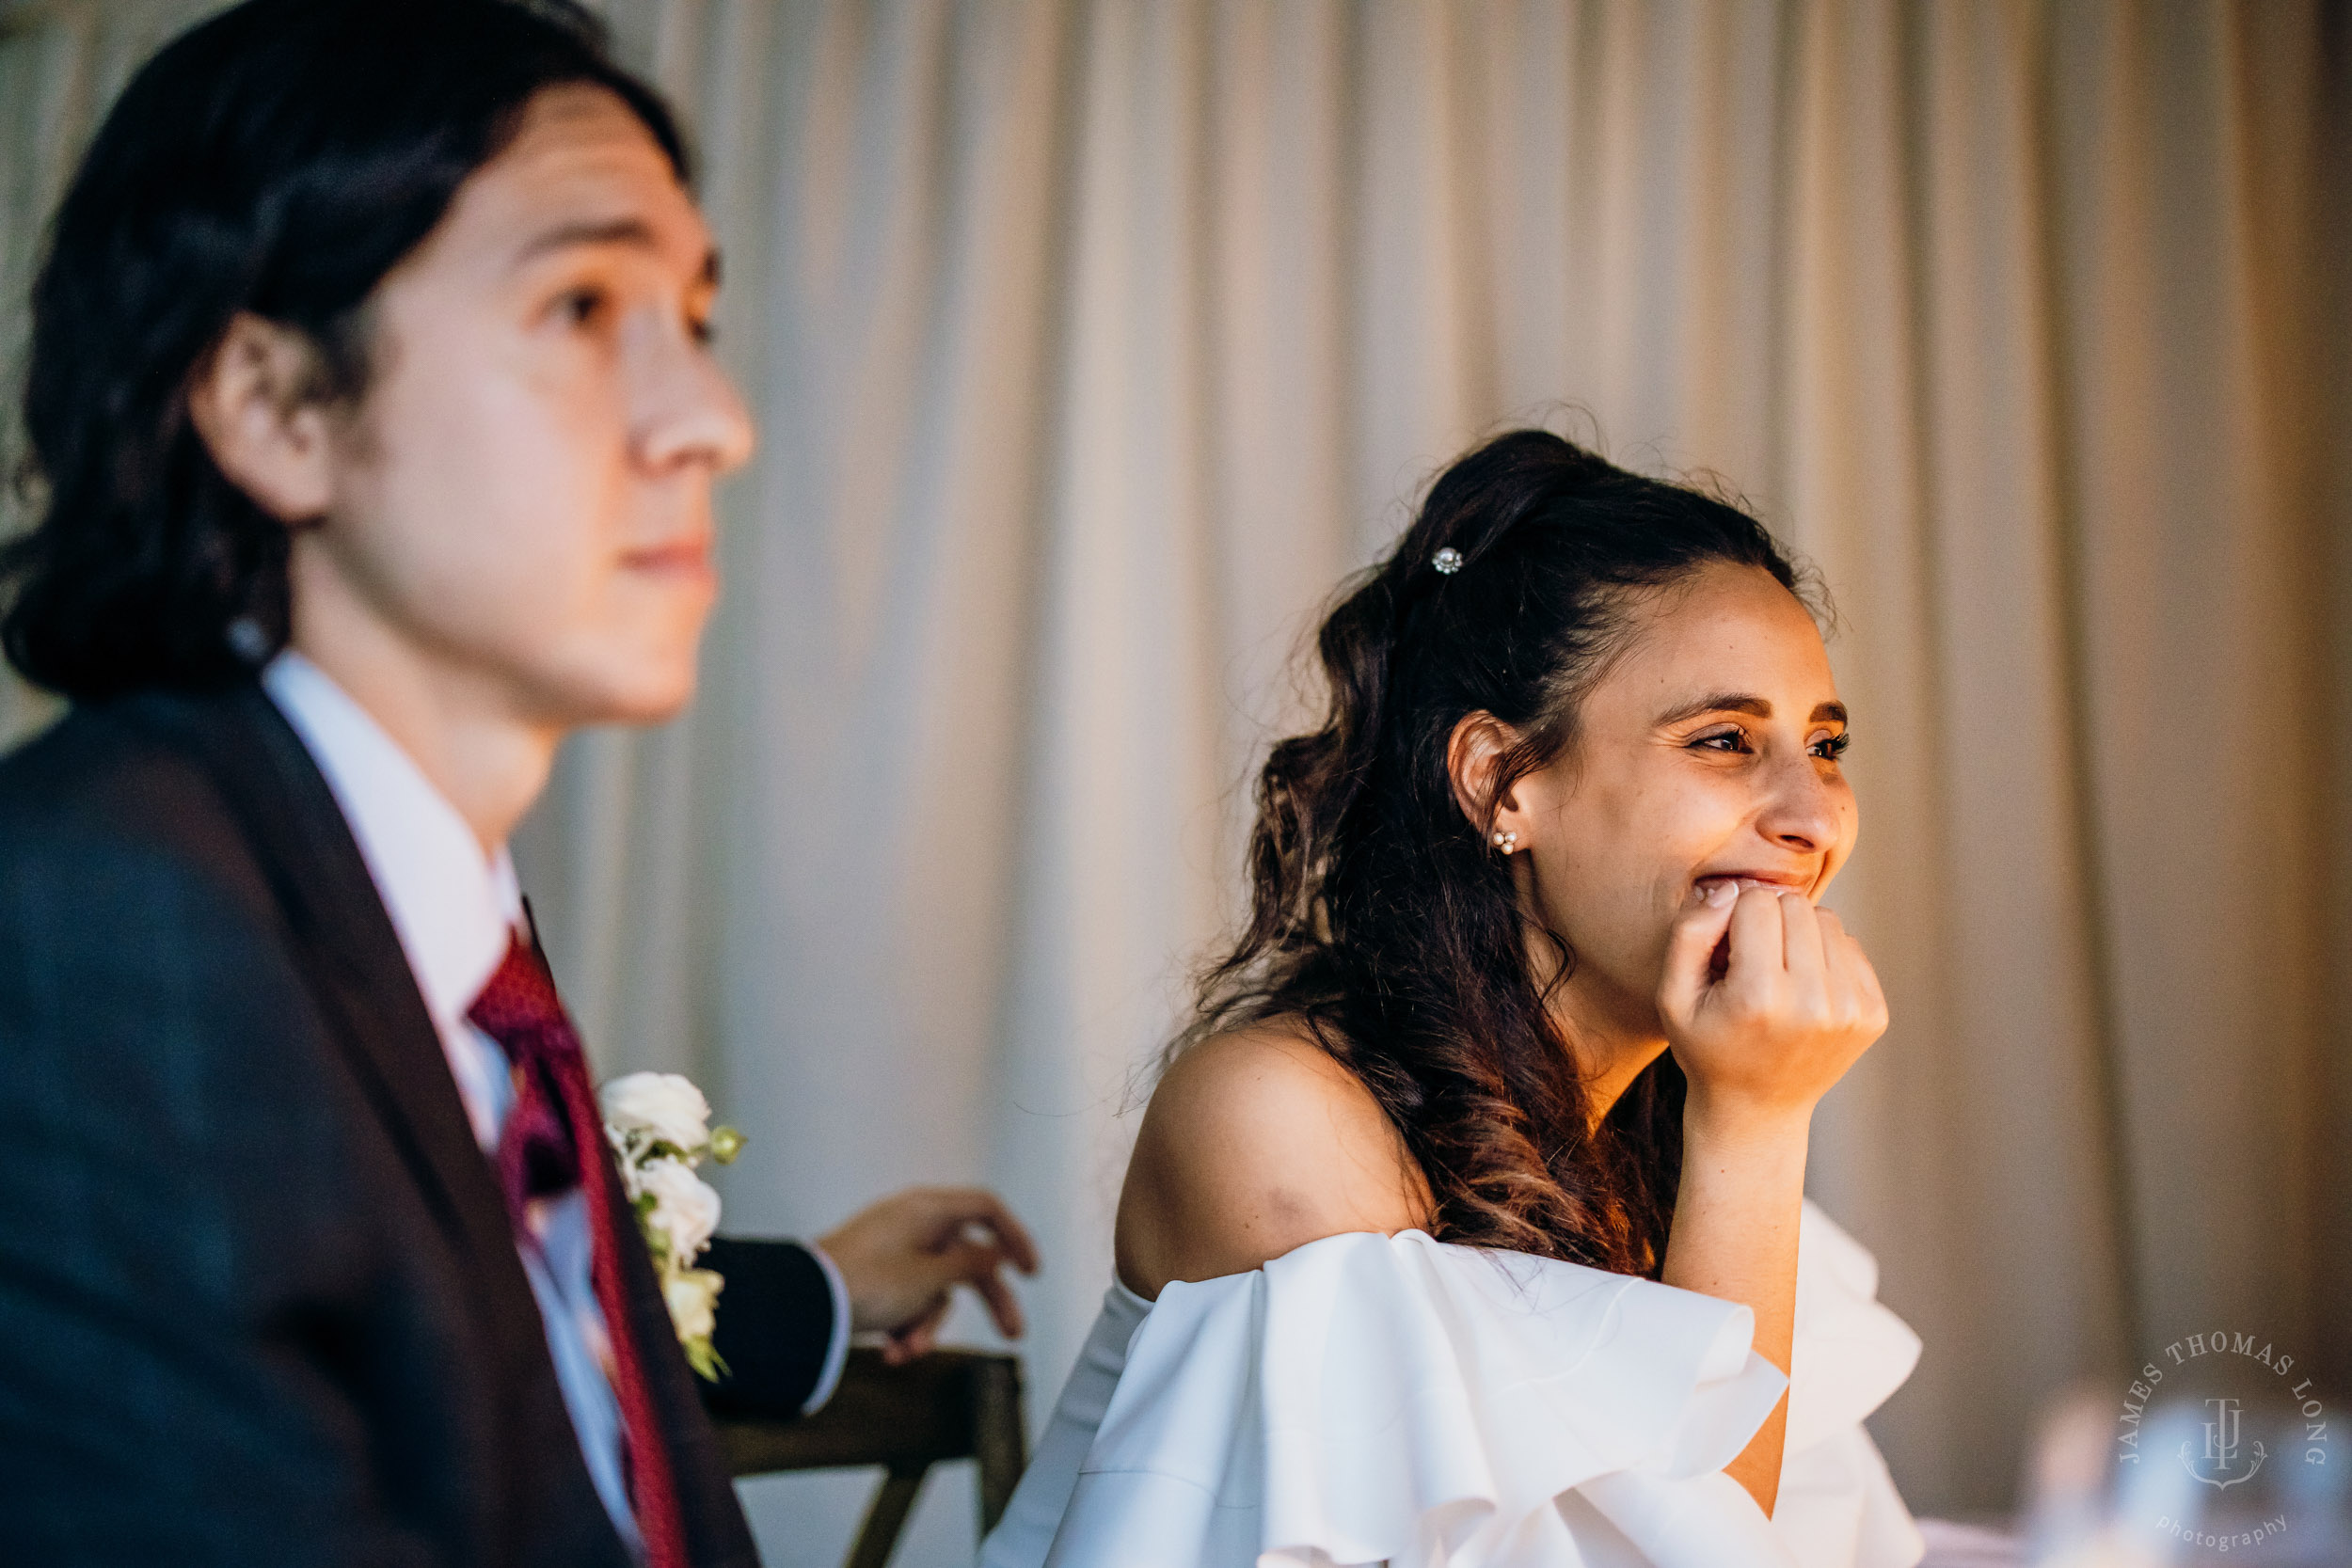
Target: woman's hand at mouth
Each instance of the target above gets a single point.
(1760, 1041)
(1794, 1004)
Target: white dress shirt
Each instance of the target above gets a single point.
(455, 911)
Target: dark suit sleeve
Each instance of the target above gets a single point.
(185, 1346)
(774, 1328)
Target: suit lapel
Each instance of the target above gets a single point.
(359, 973)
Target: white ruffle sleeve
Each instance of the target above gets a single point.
(1370, 1398)
(1837, 1505)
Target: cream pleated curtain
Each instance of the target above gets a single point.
(1092, 342)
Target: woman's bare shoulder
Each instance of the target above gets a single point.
(1257, 1142)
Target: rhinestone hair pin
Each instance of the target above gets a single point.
(1446, 561)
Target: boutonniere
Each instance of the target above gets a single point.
(660, 1126)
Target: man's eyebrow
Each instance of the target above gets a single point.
(629, 232)
(634, 232)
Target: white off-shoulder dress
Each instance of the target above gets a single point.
(1394, 1399)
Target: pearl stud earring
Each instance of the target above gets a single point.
(1506, 842)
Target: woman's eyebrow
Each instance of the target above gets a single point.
(1720, 701)
(1754, 707)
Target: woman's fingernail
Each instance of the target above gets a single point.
(1720, 894)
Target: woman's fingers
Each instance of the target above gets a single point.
(1873, 996)
(1802, 943)
(1841, 983)
(1691, 948)
(1852, 982)
(1871, 980)
(1758, 940)
(1749, 915)
(1795, 1005)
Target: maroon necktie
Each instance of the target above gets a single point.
(554, 1117)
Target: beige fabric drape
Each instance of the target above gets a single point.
(1092, 342)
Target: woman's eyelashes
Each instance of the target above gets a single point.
(1735, 742)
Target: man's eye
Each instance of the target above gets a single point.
(581, 306)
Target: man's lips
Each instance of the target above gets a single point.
(684, 555)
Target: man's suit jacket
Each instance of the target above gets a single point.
(260, 1302)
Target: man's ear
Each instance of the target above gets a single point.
(255, 402)
(1473, 753)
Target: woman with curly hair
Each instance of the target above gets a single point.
(1466, 1225)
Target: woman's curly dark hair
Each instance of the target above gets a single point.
(279, 158)
(1380, 917)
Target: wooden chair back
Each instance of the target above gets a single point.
(951, 1405)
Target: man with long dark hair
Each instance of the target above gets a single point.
(374, 424)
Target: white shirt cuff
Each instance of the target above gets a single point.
(837, 1353)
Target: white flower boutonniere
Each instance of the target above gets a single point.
(659, 1125)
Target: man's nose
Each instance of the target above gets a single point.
(690, 411)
